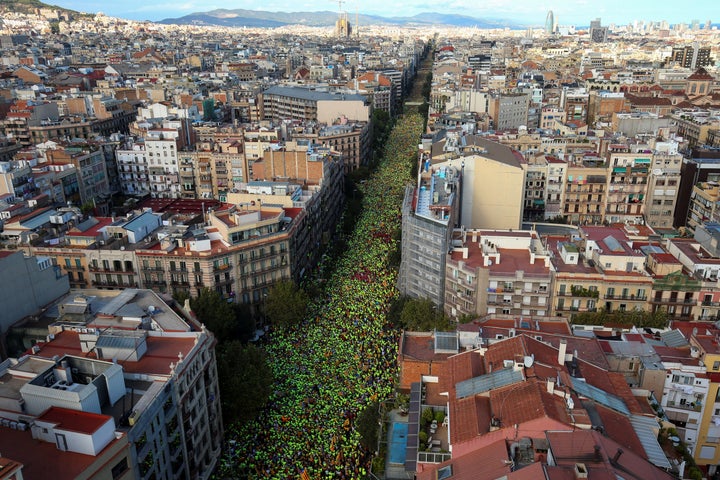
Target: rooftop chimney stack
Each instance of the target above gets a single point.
(561, 351)
(617, 455)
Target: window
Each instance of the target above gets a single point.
(716, 365)
(445, 472)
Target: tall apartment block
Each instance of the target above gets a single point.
(121, 388)
(429, 212)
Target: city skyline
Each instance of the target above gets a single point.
(525, 12)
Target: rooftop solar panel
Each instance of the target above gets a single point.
(487, 382)
(601, 396)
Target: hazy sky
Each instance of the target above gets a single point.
(530, 12)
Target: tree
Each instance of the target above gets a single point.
(367, 425)
(381, 125)
(245, 321)
(623, 318)
(245, 380)
(286, 304)
(422, 315)
(217, 314)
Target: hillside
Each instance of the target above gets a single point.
(27, 6)
(258, 18)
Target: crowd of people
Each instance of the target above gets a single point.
(343, 356)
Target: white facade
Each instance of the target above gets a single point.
(684, 399)
(73, 441)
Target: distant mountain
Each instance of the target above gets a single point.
(28, 6)
(258, 18)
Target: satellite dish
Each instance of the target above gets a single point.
(529, 360)
(657, 171)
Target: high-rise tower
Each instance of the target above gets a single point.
(550, 23)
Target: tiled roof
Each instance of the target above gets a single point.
(74, 420)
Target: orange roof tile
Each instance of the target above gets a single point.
(74, 420)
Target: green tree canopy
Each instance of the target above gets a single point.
(419, 314)
(286, 304)
(245, 380)
(217, 314)
(627, 318)
(367, 425)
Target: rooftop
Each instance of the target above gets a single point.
(74, 420)
(162, 350)
(55, 464)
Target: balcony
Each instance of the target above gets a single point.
(691, 406)
(224, 281)
(153, 268)
(221, 267)
(674, 301)
(99, 269)
(634, 298)
(73, 267)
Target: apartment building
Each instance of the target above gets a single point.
(89, 162)
(300, 103)
(663, 185)
(703, 204)
(603, 270)
(535, 188)
(703, 343)
(497, 272)
(27, 286)
(627, 184)
(509, 111)
(238, 249)
(603, 104)
(586, 191)
(429, 213)
(351, 140)
(574, 102)
(128, 361)
(493, 180)
(691, 56)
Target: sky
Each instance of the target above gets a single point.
(526, 12)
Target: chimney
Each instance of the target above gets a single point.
(551, 385)
(561, 351)
(617, 455)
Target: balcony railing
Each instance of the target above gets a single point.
(692, 406)
(625, 297)
(682, 301)
(222, 267)
(153, 268)
(100, 269)
(73, 267)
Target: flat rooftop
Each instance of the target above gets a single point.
(161, 351)
(117, 309)
(55, 463)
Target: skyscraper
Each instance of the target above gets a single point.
(550, 23)
(598, 34)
